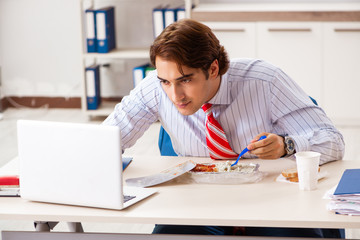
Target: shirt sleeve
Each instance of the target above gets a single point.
(136, 112)
(293, 113)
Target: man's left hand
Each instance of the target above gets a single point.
(272, 147)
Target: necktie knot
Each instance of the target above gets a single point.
(207, 108)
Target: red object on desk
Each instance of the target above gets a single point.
(9, 180)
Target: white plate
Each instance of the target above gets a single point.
(247, 173)
(161, 177)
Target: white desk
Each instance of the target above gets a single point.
(267, 203)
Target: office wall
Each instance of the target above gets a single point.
(40, 47)
(275, 1)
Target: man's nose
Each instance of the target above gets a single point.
(177, 94)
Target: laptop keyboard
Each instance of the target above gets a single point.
(127, 198)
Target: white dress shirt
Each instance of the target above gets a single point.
(253, 97)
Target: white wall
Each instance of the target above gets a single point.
(40, 47)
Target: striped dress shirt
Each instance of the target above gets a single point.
(254, 97)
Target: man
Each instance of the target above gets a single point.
(194, 83)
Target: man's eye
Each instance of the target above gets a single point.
(164, 82)
(186, 80)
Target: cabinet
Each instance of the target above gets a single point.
(238, 38)
(295, 47)
(341, 70)
(134, 35)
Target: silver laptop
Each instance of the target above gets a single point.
(73, 163)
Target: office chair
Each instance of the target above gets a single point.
(165, 144)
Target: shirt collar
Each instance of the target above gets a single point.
(223, 94)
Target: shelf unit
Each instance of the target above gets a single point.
(121, 54)
(106, 107)
(140, 53)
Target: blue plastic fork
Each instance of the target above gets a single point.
(245, 151)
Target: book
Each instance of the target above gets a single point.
(93, 98)
(9, 186)
(90, 23)
(9, 181)
(105, 29)
(140, 72)
(349, 183)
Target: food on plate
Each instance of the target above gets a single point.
(291, 174)
(204, 168)
(293, 179)
(221, 172)
(224, 167)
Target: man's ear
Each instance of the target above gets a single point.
(214, 69)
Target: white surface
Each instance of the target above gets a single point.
(122, 54)
(277, 6)
(40, 47)
(238, 38)
(10, 168)
(267, 203)
(65, 162)
(341, 69)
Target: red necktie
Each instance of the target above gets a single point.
(217, 143)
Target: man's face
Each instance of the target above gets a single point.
(190, 91)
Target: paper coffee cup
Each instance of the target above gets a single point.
(308, 169)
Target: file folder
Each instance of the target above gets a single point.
(180, 13)
(158, 20)
(93, 97)
(349, 182)
(170, 16)
(140, 72)
(105, 29)
(90, 30)
(148, 69)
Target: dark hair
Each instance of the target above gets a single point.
(192, 44)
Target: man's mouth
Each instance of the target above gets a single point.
(182, 105)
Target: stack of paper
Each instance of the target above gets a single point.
(346, 197)
(9, 179)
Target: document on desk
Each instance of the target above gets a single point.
(349, 182)
(9, 192)
(346, 196)
(161, 177)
